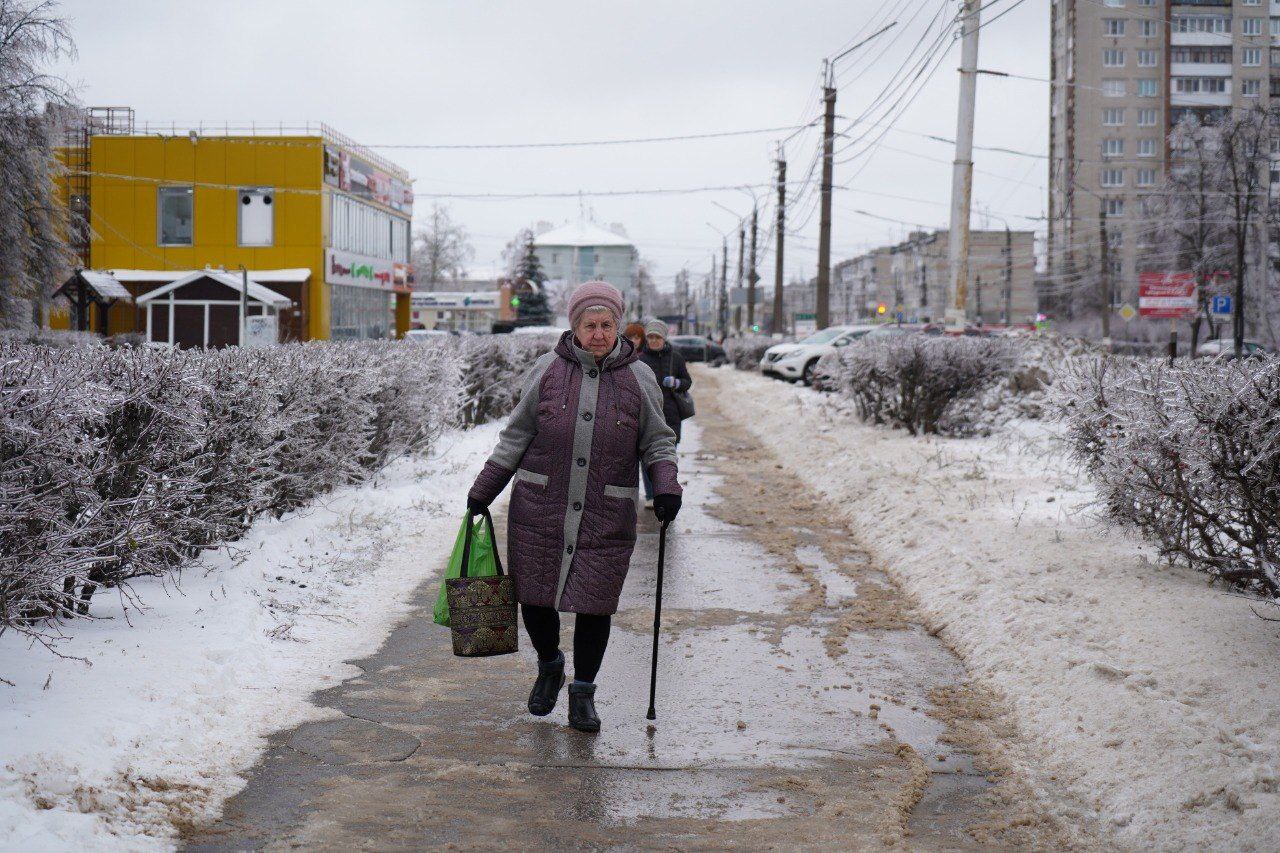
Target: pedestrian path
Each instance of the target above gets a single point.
(798, 707)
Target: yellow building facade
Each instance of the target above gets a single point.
(309, 215)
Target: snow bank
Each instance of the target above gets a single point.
(1145, 697)
(179, 694)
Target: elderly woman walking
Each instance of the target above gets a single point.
(673, 377)
(590, 412)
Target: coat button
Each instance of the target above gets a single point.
(593, 373)
(568, 549)
(577, 506)
(586, 416)
(581, 461)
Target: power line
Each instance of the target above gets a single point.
(489, 146)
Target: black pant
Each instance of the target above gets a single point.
(590, 636)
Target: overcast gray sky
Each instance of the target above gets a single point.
(502, 71)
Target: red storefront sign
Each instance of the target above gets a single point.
(1166, 295)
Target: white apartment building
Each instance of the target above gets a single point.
(1125, 72)
(582, 251)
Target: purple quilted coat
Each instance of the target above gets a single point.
(572, 446)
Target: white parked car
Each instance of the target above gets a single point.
(1226, 348)
(537, 330)
(796, 361)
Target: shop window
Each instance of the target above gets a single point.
(175, 215)
(257, 216)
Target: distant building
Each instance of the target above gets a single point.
(912, 278)
(583, 251)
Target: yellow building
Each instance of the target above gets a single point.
(308, 213)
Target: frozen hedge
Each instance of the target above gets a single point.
(923, 384)
(493, 370)
(744, 353)
(117, 463)
(1187, 454)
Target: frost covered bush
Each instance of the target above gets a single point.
(1187, 454)
(116, 463)
(745, 352)
(916, 382)
(493, 371)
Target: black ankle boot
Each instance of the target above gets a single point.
(542, 699)
(582, 707)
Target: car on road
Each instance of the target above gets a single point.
(698, 348)
(537, 330)
(423, 335)
(796, 361)
(1226, 348)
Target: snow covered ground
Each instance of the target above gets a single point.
(149, 730)
(1144, 694)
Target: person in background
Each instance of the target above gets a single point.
(590, 411)
(634, 332)
(673, 376)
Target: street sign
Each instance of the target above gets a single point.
(806, 324)
(1220, 305)
(1168, 296)
(737, 296)
(1127, 312)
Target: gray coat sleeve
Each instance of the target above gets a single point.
(657, 439)
(522, 426)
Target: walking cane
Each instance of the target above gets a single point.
(657, 618)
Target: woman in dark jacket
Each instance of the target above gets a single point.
(589, 413)
(673, 377)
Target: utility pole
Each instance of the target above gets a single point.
(823, 295)
(962, 170)
(777, 325)
(742, 249)
(722, 314)
(1008, 275)
(1105, 274)
(752, 278)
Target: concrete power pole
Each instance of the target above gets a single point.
(776, 325)
(1008, 276)
(823, 295)
(962, 170)
(742, 251)
(752, 278)
(722, 314)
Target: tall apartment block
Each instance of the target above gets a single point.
(1124, 73)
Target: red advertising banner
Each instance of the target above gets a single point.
(1166, 295)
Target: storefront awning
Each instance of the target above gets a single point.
(298, 275)
(256, 292)
(98, 286)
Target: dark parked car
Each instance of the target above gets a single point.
(698, 348)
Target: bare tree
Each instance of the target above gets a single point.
(440, 248)
(1208, 214)
(33, 250)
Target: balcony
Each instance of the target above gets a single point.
(1200, 69)
(1200, 99)
(1199, 39)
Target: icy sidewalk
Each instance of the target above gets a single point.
(1148, 695)
(180, 695)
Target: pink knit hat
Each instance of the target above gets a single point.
(593, 294)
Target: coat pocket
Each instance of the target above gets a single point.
(533, 478)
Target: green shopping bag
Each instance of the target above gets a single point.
(482, 562)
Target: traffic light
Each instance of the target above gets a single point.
(756, 328)
(881, 308)
(515, 302)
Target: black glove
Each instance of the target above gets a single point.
(476, 507)
(666, 507)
